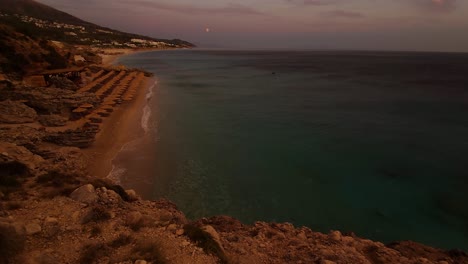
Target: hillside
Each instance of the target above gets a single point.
(21, 54)
(37, 20)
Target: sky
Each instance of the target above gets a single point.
(415, 25)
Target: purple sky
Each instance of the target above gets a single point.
(422, 25)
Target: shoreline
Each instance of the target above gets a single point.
(110, 56)
(122, 127)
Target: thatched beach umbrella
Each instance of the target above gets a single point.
(87, 106)
(79, 110)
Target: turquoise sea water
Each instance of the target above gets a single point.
(369, 142)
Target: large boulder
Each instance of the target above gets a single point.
(14, 112)
(85, 194)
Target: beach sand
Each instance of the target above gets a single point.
(123, 126)
(109, 56)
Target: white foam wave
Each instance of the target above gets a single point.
(147, 110)
(116, 174)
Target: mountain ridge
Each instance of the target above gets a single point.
(38, 20)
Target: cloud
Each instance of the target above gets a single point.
(231, 9)
(343, 13)
(436, 5)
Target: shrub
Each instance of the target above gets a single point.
(11, 243)
(121, 240)
(11, 172)
(97, 214)
(149, 251)
(92, 252)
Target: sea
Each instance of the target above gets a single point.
(374, 143)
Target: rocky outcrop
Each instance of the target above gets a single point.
(80, 137)
(53, 100)
(63, 83)
(52, 120)
(11, 153)
(14, 112)
(22, 136)
(283, 243)
(16, 163)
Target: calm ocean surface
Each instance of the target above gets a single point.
(370, 142)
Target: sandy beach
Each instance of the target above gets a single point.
(123, 126)
(109, 56)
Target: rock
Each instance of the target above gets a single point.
(13, 153)
(62, 83)
(132, 195)
(179, 232)
(51, 220)
(335, 236)
(302, 236)
(185, 243)
(22, 135)
(52, 120)
(135, 220)
(13, 112)
(348, 240)
(213, 234)
(172, 227)
(85, 194)
(113, 196)
(81, 137)
(327, 262)
(51, 227)
(54, 100)
(141, 262)
(32, 229)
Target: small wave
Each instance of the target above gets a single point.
(147, 110)
(151, 90)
